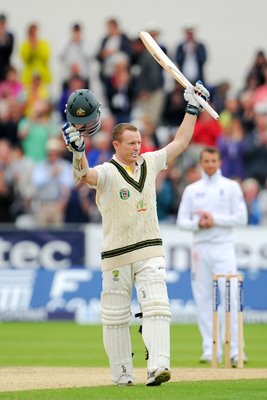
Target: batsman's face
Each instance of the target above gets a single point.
(128, 148)
(210, 162)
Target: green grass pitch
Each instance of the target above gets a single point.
(66, 344)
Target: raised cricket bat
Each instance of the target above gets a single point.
(170, 67)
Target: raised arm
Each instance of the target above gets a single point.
(185, 131)
(83, 112)
(75, 144)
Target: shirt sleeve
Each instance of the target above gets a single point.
(102, 177)
(159, 158)
(186, 219)
(238, 215)
(104, 182)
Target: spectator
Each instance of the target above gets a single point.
(149, 93)
(75, 82)
(6, 46)
(246, 101)
(230, 110)
(10, 115)
(191, 56)
(219, 94)
(113, 42)
(79, 205)
(207, 130)
(232, 148)
(173, 108)
(34, 93)
(251, 190)
(120, 89)
(6, 199)
(257, 68)
(75, 56)
(263, 204)
(21, 169)
(35, 56)
(149, 137)
(52, 182)
(7, 195)
(191, 174)
(260, 92)
(166, 196)
(153, 29)
(255, 153)
(11, 85)
(101, 150)
(34, 131)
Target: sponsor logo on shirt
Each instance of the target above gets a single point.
(141, 206)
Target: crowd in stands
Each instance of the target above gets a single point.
(36, 186)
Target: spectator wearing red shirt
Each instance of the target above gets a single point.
(207, 130)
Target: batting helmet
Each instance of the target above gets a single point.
(84, 108)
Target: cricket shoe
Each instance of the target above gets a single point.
(204, 359)
(125, 380)
(234, 360)
(158, 376)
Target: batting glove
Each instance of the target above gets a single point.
(74, 141)
(191, 94)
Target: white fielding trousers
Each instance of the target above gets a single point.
(208, 259)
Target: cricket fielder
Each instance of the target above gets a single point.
(211, 208)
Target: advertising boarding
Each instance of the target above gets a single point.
(56, 274)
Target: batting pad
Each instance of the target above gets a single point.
(116, 314)
(156, 324)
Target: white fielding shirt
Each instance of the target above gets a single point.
(220, 196)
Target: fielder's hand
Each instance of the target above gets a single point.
(191, 96)
(74, 141)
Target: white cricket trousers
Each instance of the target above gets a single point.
(209, 259)
(149, 278)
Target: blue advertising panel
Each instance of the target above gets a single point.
(23, 249)
(43, 275)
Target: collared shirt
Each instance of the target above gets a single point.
(127, 204)
(104, 173)
(136, 173)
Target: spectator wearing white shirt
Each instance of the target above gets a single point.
(75, 56)
(52, 181)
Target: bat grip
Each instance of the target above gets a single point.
(207, 107)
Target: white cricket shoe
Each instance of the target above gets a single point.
(125, 380)
(205, 359)
(234, 360)
(158, 376)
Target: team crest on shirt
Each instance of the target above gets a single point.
(124, 194)
(116, 274)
